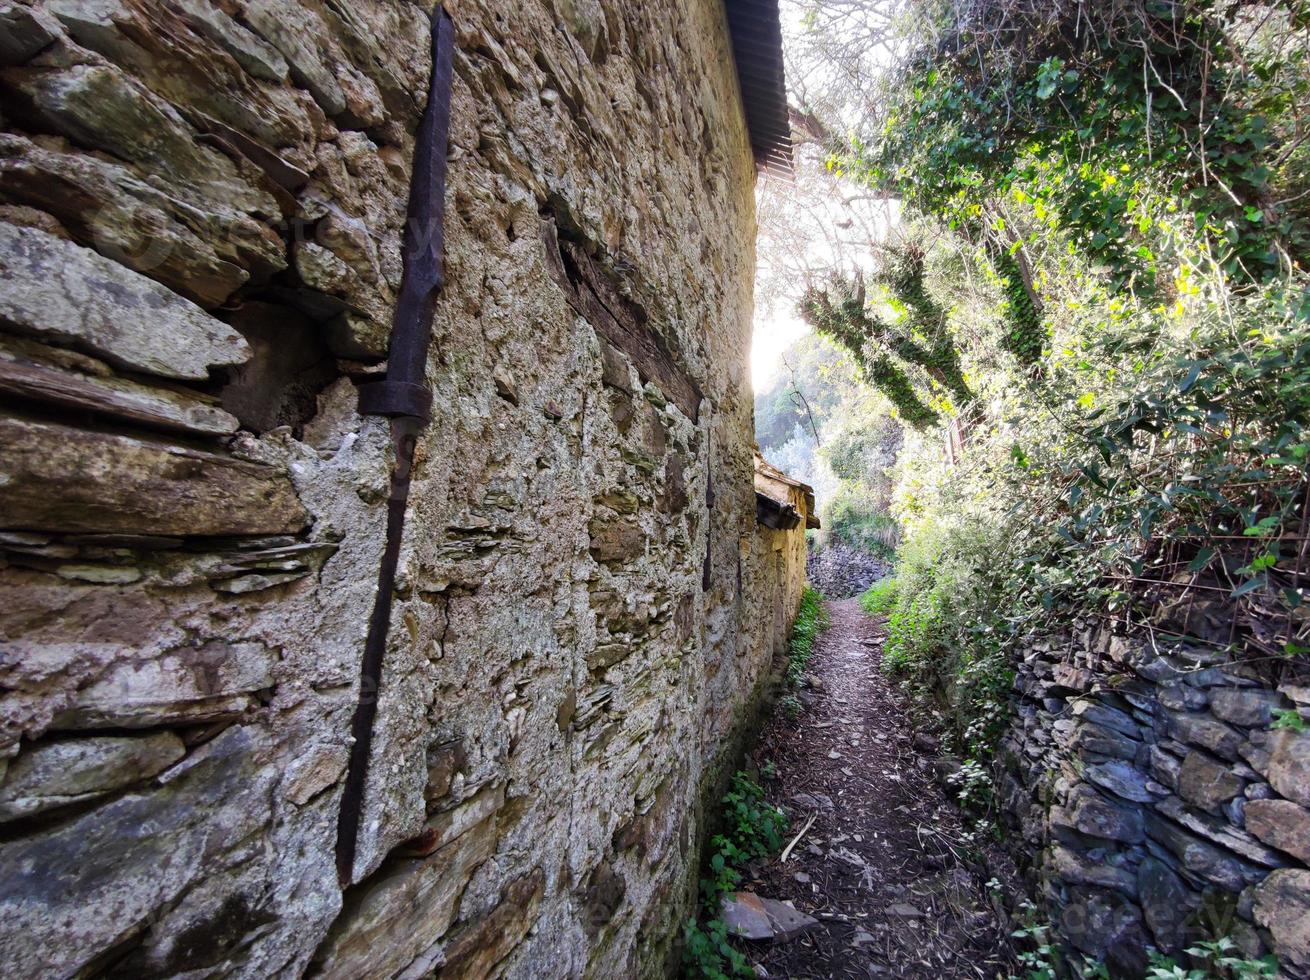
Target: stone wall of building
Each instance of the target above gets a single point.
(782, 564)
(1155, 798)
(200, 213)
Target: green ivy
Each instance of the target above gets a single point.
(1154, 121)
(1024, 334)
(887, 350)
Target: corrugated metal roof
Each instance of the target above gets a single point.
(757, 47)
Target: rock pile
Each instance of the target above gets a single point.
(1164, 796)
(840, 571)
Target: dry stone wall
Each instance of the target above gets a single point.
(200, 214)
(1155, 799)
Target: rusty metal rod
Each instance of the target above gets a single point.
(405, 398)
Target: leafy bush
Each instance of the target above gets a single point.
(1220, 958)
(856, 520)
(879, 598)
(752, 829)
(709, 954)
(811, 620)
(1141, 131)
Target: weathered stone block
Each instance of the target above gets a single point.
(1182, 697)
(101, 105)
(1121, 779)
(24, 32)
(306, 44)
(1076, 869)
(1206, 732)
(1165, 767)
(1206, 783)
(476, 948)
(314, 771)
(397, 915)
(79, 889)
(444, 761)
(1100, 923)
(1281, 824)
(1167, 903)
(210, 682)
(32, 378)
(1222, 831)
(64, 479)
(1282, 905)
(73, 296)
(1107, 717)
(201, 250)
(68, 771)
(614, 367)
(1091, 813)
(616, 540)
(1289, 765)
(1249, 707)
(1203, 858)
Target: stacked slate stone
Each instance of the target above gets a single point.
(840, 571)
(1157, 800)
(201, 215)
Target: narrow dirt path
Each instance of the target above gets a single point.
(883, 866)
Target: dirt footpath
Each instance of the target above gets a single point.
(883, 865)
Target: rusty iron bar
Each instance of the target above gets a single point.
(405, 398)
(707, 569)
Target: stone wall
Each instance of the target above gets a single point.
(200, 211)
(781, 565)
(1155, 801)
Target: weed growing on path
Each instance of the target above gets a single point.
(879, 598)
(811, 620)
(752, 829)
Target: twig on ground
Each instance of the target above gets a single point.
(786, 853)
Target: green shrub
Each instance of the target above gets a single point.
(879, 598)
(752, 828)
(811, 620)
(855, 519)
(708, 954)
(942, 643)
(1220, 958)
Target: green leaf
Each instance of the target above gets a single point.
(1249, 586)
(1186, 384)
(1263, 528)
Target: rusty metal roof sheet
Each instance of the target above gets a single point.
(757, 48)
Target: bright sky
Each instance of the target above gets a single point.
(775, 331)
(813, 221)
(778, 328)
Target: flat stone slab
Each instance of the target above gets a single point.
(73, 296)
(60, 478)
(752, 917)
